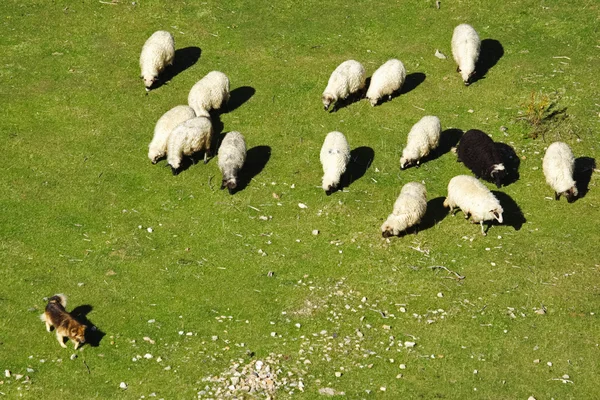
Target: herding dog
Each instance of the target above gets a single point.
(65, 325)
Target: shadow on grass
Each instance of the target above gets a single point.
(237, 97)
(412, 81)
(584, 167)
(93, 335)
(490, 53)
(360, 161)
(511, 163)
(184, 59)
(512, 215)
(256, 160)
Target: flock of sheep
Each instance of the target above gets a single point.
(187, 129)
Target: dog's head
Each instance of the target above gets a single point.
(77, 332)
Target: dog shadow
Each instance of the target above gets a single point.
(584, 167)
(435, 213)
(511, 162)
(448, 139)
(490, 53)
(93, 335)
(361, 159)
(237, 97)
(411, 82)
(184, 59)
(512, 215)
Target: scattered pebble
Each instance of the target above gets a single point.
(150, 230)
(7, 373)
(549, 363)
(123, 385)
(440, 294)
(315, 232)
(409, 344)
(402, 366)
(440, 55)
(302, 205)
(73, 356)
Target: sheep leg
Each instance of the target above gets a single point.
(484, 232)
(467, 215)
(556, 196)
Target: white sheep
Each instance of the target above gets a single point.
(209, 93)
(558, 165)
(335, 155)
(164, 126)
(232, 155)
(187, 138)
(347, 79)
(465, 49)
(409, 209)
(157, 53)
(474, 199)
(423, 137)
(387, 80)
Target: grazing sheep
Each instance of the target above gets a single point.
(388, 79)
(209, 93)
(164, 126)
(232, 155)
(465, 49)
(335, 155)
(559, 164)
(158, 53)
(348, 78)
(478, 152)
(474, 199)
(409, 209)
(423, 137)
(187, 138)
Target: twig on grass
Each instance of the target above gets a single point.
(88, 368)
(458, 276)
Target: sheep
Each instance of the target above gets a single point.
(335, 155)
(209, 93)
(347, 79)
(558, 166)
(409, 209)
(465, 49)
(164, 126)
(423, 137)
(388, 79)
(187, 138)
(157, 53)
(474, 199)
(478, 152)
(232, 155)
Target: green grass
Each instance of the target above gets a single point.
(77, 186)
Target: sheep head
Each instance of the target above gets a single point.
(571, 194)
(327, 99)
(498, 173)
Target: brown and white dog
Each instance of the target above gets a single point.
(65, 325)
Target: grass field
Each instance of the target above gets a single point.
(188, 285)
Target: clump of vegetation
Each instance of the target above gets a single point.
(543, 114)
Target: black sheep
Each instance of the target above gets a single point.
(478, 152)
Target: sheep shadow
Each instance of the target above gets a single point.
(512, 215)
(511, 162)
(256, 160)
(360, 161)
(237, 97)
(448, 139)
(435, 213)
(584, 167)
(490, 53)
(93, 335)
(412, 81)
(184, 59)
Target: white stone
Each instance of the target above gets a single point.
(123, 385)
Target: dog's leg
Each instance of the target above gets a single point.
(48, 326)
(60, 339)
(76, 344)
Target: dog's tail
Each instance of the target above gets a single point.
(59, 298)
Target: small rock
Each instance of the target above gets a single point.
(327, 391)
(536, 361)
(123, 385)
(18, 376)
(150, 230)
(440, 294)
(297, 325)
(409, 344)
(531, 398)
(338, 374)
(549, 363)
(258, 365)
(148, 356)
(302, 205)
(398, 376)
(7, 373)
(565, 376)
(440, 55)
(73, 356)
(315, 232)
(214, 338)
(30, 370)
(402, 366)
(147, 339)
